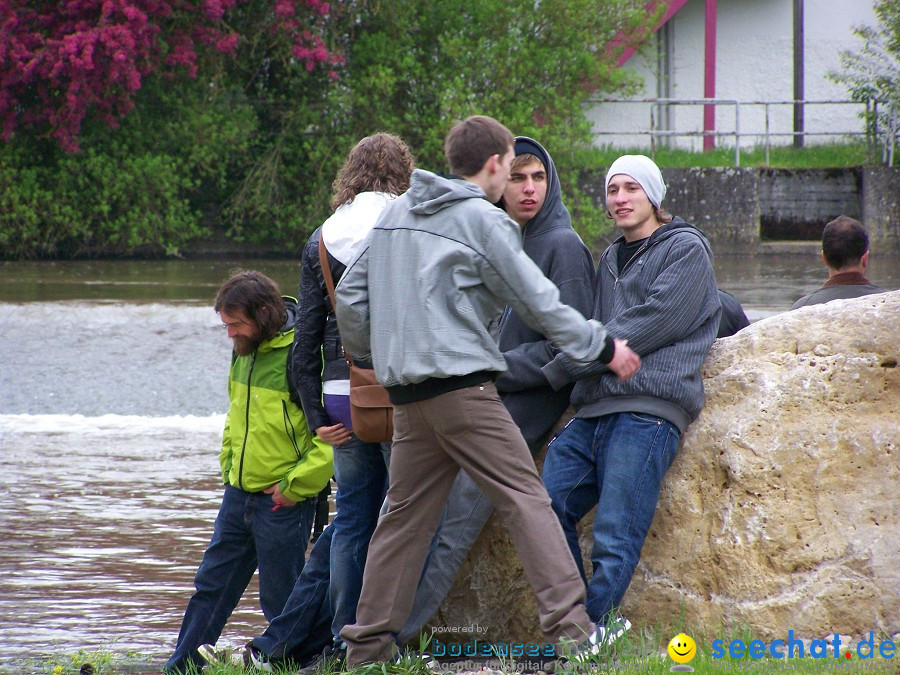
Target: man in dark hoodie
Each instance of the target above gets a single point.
(655, 287)
(533, 199)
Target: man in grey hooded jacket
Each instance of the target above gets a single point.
(655, 285)
(424, 299)
(533, 199)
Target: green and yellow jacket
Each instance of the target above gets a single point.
(266, 439)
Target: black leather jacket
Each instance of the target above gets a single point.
(317, 354)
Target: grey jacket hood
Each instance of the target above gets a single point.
(429, 193)
(290, 313)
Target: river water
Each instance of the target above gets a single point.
(112, 400)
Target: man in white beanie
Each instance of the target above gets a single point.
(655, 288)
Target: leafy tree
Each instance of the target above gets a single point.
(239, 134)
(873, 74)
(414, 68)
(149, 187)
(59, 61)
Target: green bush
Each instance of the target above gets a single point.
(96, 203)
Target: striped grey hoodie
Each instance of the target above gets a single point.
(666, 304)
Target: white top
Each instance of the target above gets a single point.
(346, 229)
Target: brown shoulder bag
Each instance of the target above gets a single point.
(371, 413)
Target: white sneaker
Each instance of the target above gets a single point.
(610, 633)
(246, 657)
(256, 659)
(602, 637)
(424, 659)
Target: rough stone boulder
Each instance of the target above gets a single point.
(782, 509)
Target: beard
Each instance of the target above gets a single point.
(245, 345)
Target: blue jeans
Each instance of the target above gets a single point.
(616, 463)
(303, 628)
(247, 534)
(361, 472)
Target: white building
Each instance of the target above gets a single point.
(740, 51)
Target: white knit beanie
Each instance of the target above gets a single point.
(643, 170)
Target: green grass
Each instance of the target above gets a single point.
(835, 155)
(641, 650)
(94, 662)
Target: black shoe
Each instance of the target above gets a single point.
(331, 658)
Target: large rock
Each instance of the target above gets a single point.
(782, 509)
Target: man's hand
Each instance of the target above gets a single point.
(279, 499)
(625, 362)
(335, 435)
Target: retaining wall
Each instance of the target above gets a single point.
(752, 210)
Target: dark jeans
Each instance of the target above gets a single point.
(616, 463)
(303, 628)
(247, 534)
(309, 622)
(361, 472)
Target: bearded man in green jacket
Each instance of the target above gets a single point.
(272, 468)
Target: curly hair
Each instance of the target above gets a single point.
(378, 163)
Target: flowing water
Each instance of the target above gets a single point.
(112, 400)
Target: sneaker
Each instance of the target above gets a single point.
(603, 636)
(611, 632)
(247, 656)
(257, 660)
(331, 658)
(424, 658)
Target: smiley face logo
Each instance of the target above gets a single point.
(682, 648)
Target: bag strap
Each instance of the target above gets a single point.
(329, 283)
(326, 270)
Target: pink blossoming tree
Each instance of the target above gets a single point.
(61, 61)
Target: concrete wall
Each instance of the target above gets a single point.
(754, 62)
(794, 205)
(742, 210)
(881, 207)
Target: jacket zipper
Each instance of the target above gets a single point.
(289, 429)
(644, 247)
(246, 423)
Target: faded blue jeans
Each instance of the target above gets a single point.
(615, 462)
(247, 534)
(361, 472)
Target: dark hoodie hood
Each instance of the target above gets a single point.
(550, 241)
(553, 213)
(290, 313)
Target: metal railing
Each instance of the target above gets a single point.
(657, 107)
